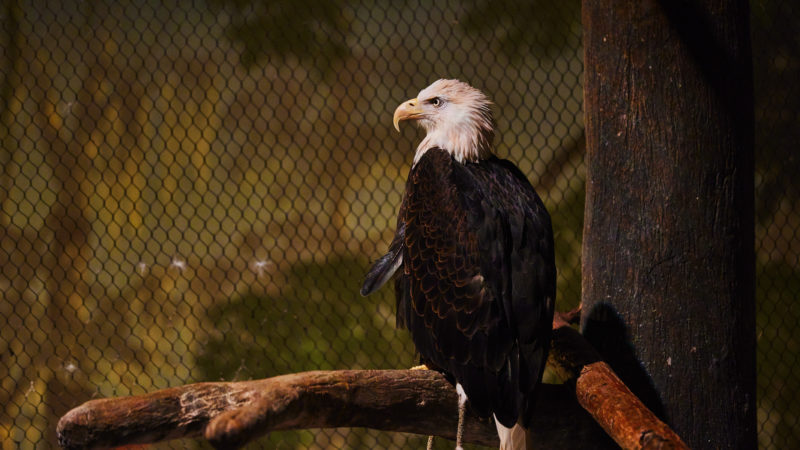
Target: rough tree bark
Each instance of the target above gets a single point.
(668, 262)
(232, 414)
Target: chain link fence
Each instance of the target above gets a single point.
(193, 191)
(776, 61)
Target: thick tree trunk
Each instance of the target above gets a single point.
(668, 263)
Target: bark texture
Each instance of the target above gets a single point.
(230, 414)
(668, 262)
(600, 392)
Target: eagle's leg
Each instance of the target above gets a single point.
(430, 438)
(462, 409)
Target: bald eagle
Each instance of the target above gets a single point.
(473, 260)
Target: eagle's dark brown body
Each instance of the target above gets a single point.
(475, 278)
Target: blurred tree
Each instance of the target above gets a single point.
(539, 27)
(8, 58)
(320, 29)
(776, 64)
(776, 69)
(283, 28)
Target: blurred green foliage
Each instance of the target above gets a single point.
(776, 63)
(522, 28)
(287, 28)
(318, 321)
(779, 350)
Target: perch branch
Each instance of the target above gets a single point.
(598, 390)
(229, 414)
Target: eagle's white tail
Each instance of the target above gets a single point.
(514, 438)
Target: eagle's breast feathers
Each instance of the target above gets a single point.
(468, 289)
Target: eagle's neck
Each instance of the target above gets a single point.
(464, 146)
(467, 140)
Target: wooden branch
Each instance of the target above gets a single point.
(230, 414)
(598, 390)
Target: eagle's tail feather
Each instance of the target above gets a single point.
(514, 438)
(381, 271)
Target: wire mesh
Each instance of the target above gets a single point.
(776, 60)
(192, 191)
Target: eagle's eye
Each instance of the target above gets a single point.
(435, 101)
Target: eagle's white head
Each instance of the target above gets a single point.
(456, 116)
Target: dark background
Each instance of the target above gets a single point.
(193, 191)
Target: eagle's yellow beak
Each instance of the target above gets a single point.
(408, 110)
